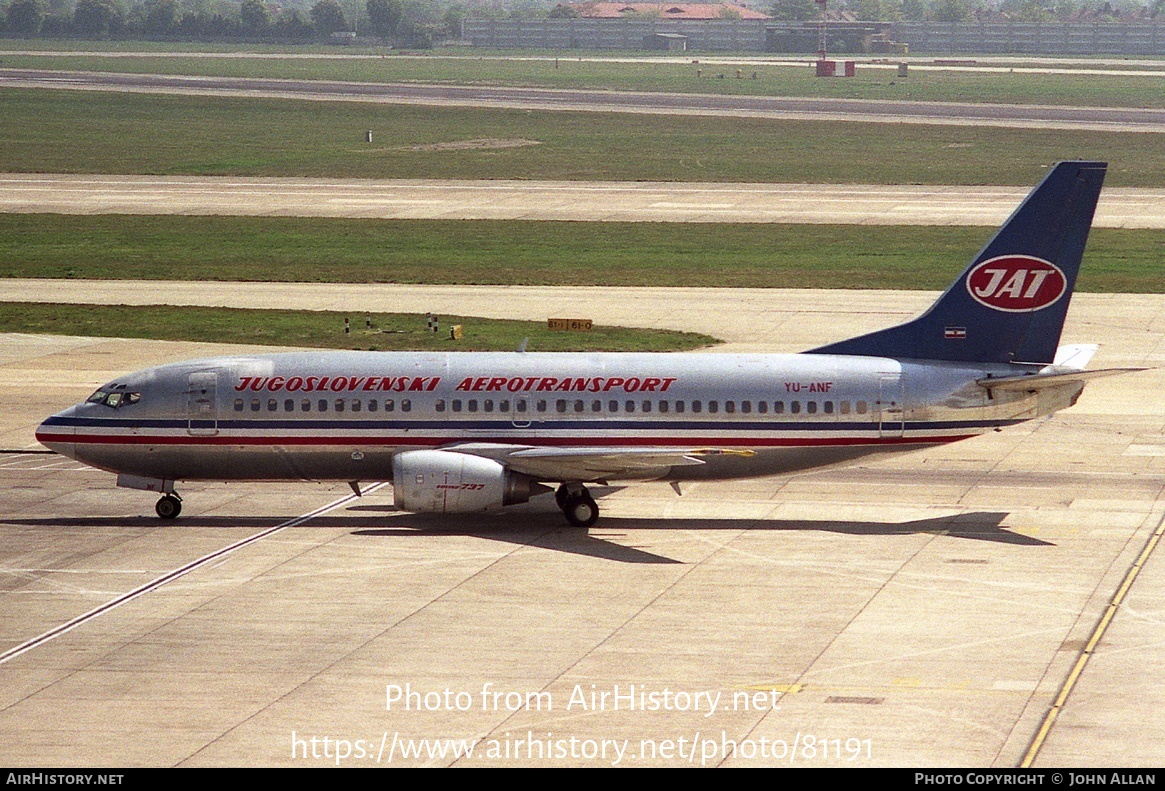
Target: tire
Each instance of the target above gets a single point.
(168, 507)
(581, 510)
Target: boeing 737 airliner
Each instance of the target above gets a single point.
(474, 432)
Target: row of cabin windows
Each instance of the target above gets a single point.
(322, 405)
(582, 405)
(562, 406)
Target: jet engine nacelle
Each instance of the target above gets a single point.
(447, 482)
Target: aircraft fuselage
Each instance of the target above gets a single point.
(343, 415)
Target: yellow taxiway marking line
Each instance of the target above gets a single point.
(1093, 641)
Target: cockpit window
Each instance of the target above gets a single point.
(114, 399)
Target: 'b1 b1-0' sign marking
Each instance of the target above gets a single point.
(1016, 283)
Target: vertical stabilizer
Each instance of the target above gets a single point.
(1009, 304)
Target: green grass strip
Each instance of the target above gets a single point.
(325, 330)
(566, 70)
(97, 132)
(503, 252)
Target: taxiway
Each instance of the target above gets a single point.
(548, 200)
(924, 610)
(1101, 119)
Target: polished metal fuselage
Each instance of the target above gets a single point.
(343, 415)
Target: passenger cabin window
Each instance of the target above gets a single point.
(862, 407)
(406, 405)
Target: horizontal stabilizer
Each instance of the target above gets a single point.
(1040, 381)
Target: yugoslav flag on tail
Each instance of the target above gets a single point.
(1009, 305)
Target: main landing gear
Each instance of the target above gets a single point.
(169, 506)
(576, 503)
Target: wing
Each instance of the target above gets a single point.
(589, 464)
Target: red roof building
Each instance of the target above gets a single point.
(599, 10)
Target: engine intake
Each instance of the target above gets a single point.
(447, 482)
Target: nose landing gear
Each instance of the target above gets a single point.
(169, 506)
(577, 505)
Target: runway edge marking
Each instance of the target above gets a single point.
(141, 590)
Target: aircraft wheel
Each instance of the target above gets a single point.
(560, 495)
(168, 507)
(581, 510)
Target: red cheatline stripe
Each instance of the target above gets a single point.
(590, 442)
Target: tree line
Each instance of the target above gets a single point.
(421, 23)
(252, 20)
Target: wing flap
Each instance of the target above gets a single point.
(565, 464)
(589, 463)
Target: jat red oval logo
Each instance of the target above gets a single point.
(1016, 283)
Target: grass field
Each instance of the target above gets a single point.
(96, 132)
(570, 70)
(531, 253)
(325, 330)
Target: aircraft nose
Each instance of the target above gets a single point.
(57, 432)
